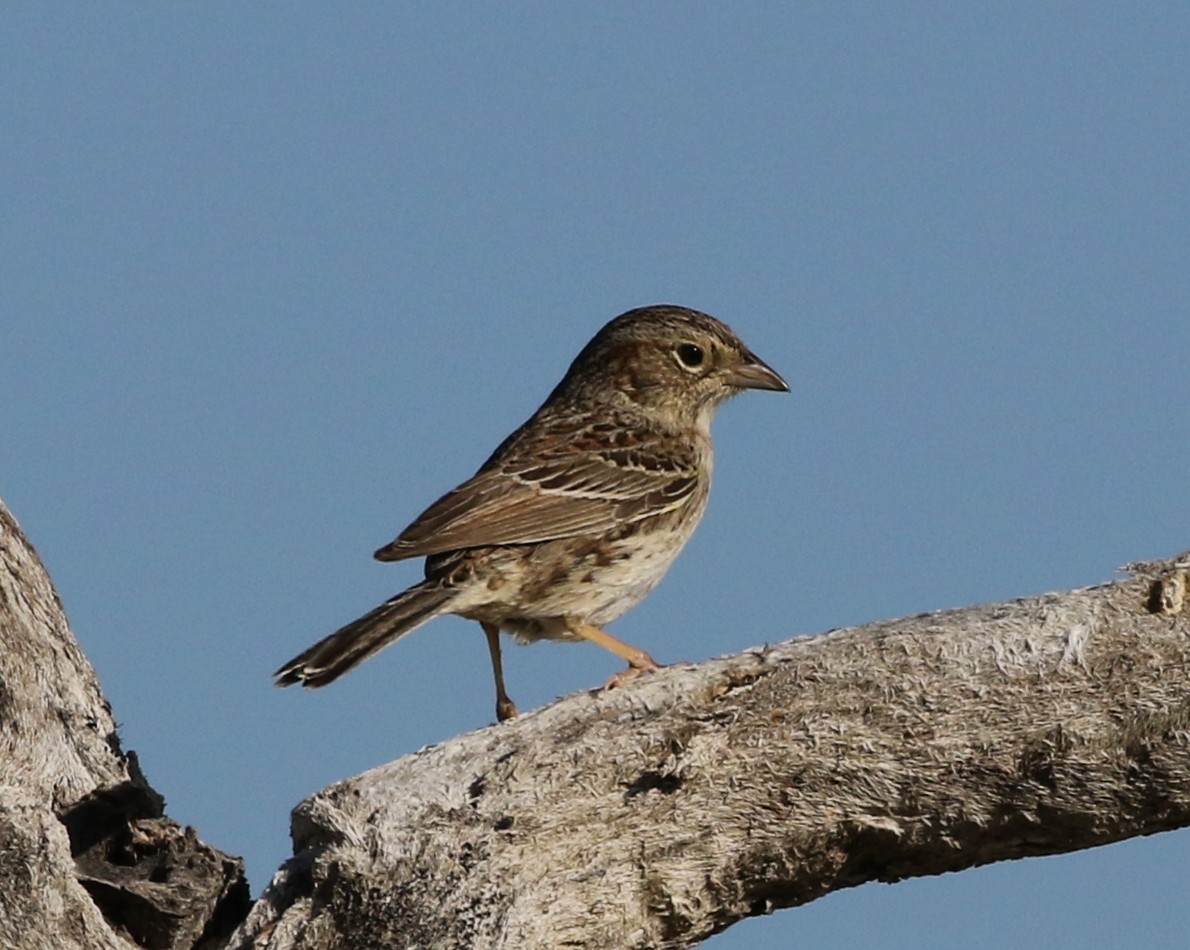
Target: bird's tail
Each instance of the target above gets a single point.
(349, 646)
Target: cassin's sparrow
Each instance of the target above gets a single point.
(578, 513)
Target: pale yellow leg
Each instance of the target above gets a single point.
(505, 707)
(638, 660)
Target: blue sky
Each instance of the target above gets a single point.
(274, 277)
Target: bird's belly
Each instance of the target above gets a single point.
(537, 591)
(605, 591)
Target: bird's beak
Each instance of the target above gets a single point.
(754, 373)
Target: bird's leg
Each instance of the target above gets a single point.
(505, 707)
(638, 660)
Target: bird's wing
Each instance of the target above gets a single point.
(558, 495)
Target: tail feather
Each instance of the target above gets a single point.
(349, 646)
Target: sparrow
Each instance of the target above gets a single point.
(578, 513)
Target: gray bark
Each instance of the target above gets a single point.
(87, 857)
(647, 816)
(656, 815)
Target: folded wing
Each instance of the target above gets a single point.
(558, 495)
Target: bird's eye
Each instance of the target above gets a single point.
(690, 355)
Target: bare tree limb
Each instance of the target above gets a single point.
(649, 816)
(87, 857)
(656, 815)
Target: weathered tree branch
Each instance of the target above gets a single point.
(87, 858)
(660, 814)
(650, 816)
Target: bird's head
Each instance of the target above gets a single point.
(674, 363)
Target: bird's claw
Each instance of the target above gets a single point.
(631, 673)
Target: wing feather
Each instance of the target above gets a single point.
(559, 495)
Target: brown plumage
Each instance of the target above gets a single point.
(578, 513)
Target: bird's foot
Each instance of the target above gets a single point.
(640, 665)
(505, 709)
